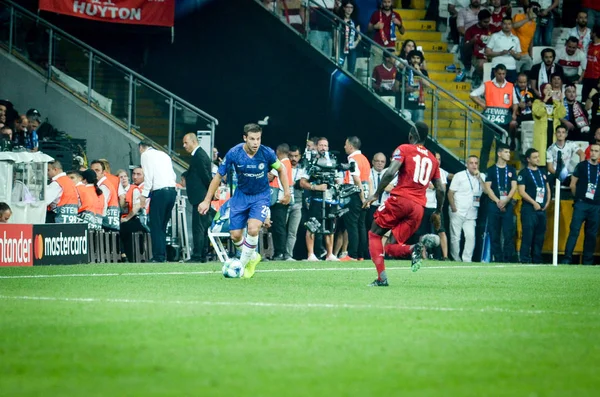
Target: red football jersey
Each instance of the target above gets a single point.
(419, 168)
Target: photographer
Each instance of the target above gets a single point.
(320, 198)
(354, 219)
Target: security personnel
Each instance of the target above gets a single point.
(61, 196)
(535, 191)
(584, 186)
(354, 219)
(112, 213)
(501, 186)
(500, 102)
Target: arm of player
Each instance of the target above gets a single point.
(212, 189)
(385, 180)
(573, 185)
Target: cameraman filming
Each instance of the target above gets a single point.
(354, 219)
(318, 193)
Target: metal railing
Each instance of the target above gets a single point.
(135, 103)
(453, 123)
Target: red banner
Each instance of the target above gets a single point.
(16, 245)
(140, 12)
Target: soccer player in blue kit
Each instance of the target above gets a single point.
(249, 205)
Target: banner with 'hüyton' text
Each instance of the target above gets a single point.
(140, 12)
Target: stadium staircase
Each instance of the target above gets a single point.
(139, 106)
(450, 120)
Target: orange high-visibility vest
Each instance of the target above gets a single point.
(365, 171)
(498, 102)
(111, 219)
(66, 209)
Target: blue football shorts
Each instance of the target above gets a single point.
(243, 207)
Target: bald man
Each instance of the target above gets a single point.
(198, 179)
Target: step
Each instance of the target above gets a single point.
(440, 76)
(452, 86)
(420, 36)
(445, 114)
(456, 144)
(456, 133)
(445, 104)
(456, 125)
(442, 57)
(429, 47)
(438, 67)
(420, 25)
(408, 15)
(418, 4)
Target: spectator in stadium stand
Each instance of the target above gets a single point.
(545, 23)
(572, 60)
(592, 70)
(197, 179)
(294, 215)
(320, 25)
(592, 7)
(383, 25)
(535, 193)
(524, 26)
(5, 213)
(159, 179)
(354, 219)
(499, 11)
(61, 196)
(464, 197)
(112, 179)
(454, 7)
(468, 17)
(542, 72)
(476, 39)
(279, 211)
(582, 32)
(216, 161)
(89, 196)
(384, 76)
(10, 114)
(35, 120)
(5, 139)
(505, 48)
(499, 107)
(584, 186)
(547, 113)
(559, 155)
(556, 82)
(110, 221)
(501, 186)
(415, 88)
(576, 119)
(524, 113)
(592, 103)
(22, 136)
(349, 36)
(2, 114)
(595, 141)
(131, 223)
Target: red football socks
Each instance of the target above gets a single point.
(376, 251)
(398, 250)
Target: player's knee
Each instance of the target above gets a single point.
(253, 230)
(236, 235)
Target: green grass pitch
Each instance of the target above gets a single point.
(300, 329)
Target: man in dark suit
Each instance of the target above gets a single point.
(198, 178)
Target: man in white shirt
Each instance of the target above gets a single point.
(582, 32)
(464, 197)
(505, 48)
(572, 60)
(159, 181)
(567, 150)
(454, 7)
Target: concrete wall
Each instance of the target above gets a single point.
(26, 89)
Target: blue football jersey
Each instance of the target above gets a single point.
(251, 171)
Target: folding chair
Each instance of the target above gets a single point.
(215, 240)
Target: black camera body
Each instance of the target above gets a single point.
(323, 169)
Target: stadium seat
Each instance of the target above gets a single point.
(215, 240)
(560, 36)
(390, 100)
(526, 135)
(517, 10)
(142, 247)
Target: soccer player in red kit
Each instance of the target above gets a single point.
(403, 210)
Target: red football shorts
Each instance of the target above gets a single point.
(401, 215)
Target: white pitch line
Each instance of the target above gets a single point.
(314, 269)
(294, 305)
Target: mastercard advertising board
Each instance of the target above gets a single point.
(50, 244)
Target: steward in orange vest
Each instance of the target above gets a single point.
(111, 219)
(61, 196)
